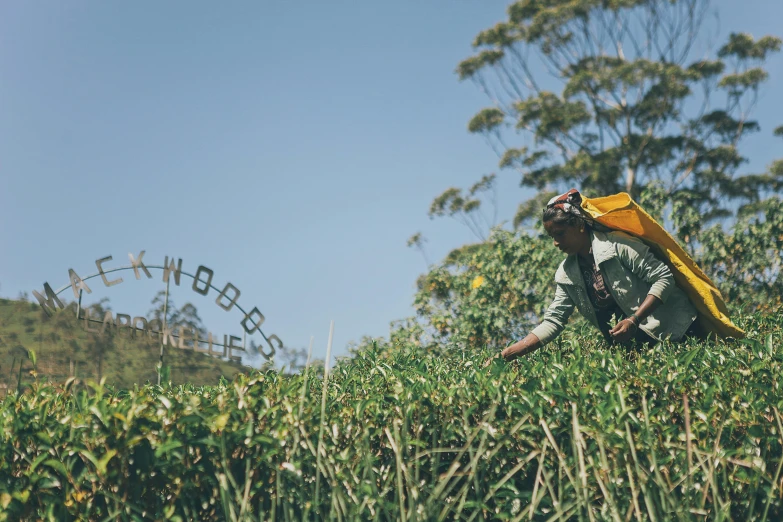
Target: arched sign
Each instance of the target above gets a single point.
(184, 338)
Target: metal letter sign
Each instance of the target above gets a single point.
(50, 303)
(184, 338)
(98, 263)
(169, 268)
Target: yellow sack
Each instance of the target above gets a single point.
(620, 212)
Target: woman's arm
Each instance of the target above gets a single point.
(637, 257)
(529, 344)
(553, 323)
(556, 316)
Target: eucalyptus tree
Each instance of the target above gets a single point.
(616, 95)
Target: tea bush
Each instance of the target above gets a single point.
(576, 431)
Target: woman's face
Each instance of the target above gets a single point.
(568, 238)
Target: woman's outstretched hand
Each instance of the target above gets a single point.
(490, 359)
(529, 344)
(624, 330)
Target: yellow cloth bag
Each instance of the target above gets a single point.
(620, 212)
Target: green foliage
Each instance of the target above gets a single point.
(165, 374)
(486, 120)
(747, 262)
(488, 293)
(689, 431)
(465, 208)
(743, 47)
(628, 101)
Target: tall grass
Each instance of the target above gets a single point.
(576, 432)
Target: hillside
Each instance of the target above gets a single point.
(63, 349)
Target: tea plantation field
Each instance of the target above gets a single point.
(573, 432)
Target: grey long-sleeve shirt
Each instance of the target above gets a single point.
(630, 272)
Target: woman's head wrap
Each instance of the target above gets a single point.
(570, 203)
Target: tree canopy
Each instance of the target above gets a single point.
(632, 96)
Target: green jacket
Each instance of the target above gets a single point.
(630, 272)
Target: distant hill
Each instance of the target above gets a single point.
(63, 349)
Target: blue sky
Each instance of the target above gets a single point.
(292, 147)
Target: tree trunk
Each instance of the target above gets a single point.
(630, 175)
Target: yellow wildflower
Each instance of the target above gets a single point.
(477, 282)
